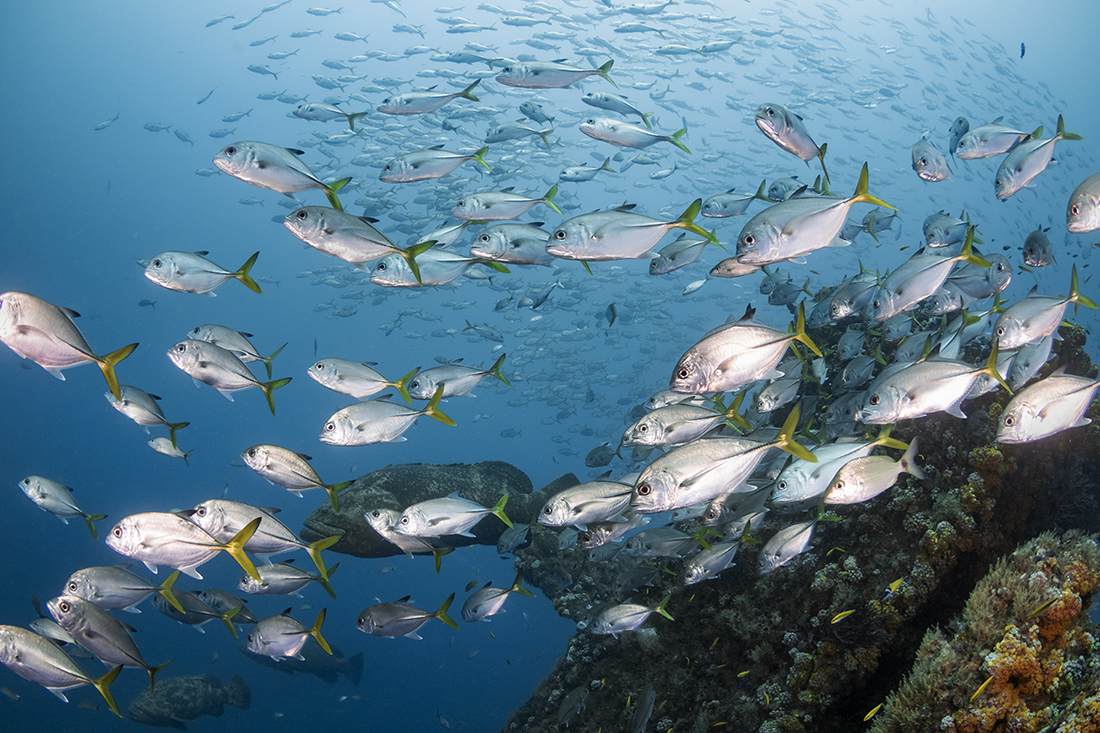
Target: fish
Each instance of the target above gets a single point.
(325, 667)
(184, 699)
(500, 205)
(784, 546)
(924, 388)
(100, 633)
(677, 254)
(223, 519)
(377, 421)
(708, 468)
(350, 238)
(142, 408)
(784, 188)
(454, 379)
(418, 103)
(516, 131)
(643, 708)
(629, 135)
(787, 130)
(618, 234)
(191, 272)
(616, 103)
(39, 660)
(448, 515)
(959, 127)
(56, 499)
(549, 74)
(383, 521)
(593, 501)
(571, 705)
(210, 364)
(987, 141)
(356, 378)
(1038, 251)
(1083, 210)
(163, 538)
(795, 227)
(284, 579)
(489, 601)
(165, 447)
(317, 112)
(627, 617)
(269, 166)
(1046, 408)
(599, 456)
(730, 204)
(513, 538)
(733, 355)
(400, 619)
(513, 244)
(679, 424)
(865, 478)
(234, 341)
(658, 542)
(583, 173)
(45, 333)
(530, 110)
(929, 162)
(291, 471)
(422, 165)
(1028, 159)
(197, 612)
(707, 564)
(281, 636)
(115, 587)
(1036, 316)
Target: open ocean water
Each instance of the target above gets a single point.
(85, 201)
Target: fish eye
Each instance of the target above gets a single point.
(72, 587)
(683, 373)
(250, 638)
(201, 511)
(1000, 331)
(711, 514)
(404, 520)
(546, 510)
(302, 215)
(560, 234)
(376, 514)
(770, 112)
(460, 204)
(181, 348)
(64, 606)
(415, 384)
(876, 304)
(156, 263)
(251, 452)
(750, 240)
(319, 366)
(997, 183)
(644, 489)
(330, 426)
(923, 161)
(874, 399)
(1075, 209)
(1009, 421)
(381, 267)
(117, 532)
(643, 428)
(230, 150)
(782, 486)
(838, 485)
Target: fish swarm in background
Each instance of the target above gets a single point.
(1043, 665)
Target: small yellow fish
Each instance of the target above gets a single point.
(981, 689)
(842, 615)
(1039, 611)
(742, 674)
(871, 714)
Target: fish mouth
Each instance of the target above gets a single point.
(320, 528)
(560, 251)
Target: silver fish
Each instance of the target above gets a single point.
(518, 244)
(163, 538)
(422, 165)
(731, 204)
(448, 515)
(580, 505)
(324, 112)
(57, 500)
(210, 364)
(581, 173)
(987, 141)
(548, 74)
(1035, 316)
(289, 470)
(115, 587)
(418, 103)
(281, 636)
(928, 162)
(784, 546)
(788, 131)
(1038, 251)
(142, 408)
(708, 563)
(500, 205)
(629, 135)
(38, 659)
(235, 341)
(283, 579)
(489, 601)
(1083, 210)
(275, 168)
(865, 478)
(1028, 159)
(1047, 408)
(355, 378)
(627, 617)
(618, 234)
(191, 272)
(616, 103)
(377, 421)
(46, 334)
(959, 127)
(400, 619)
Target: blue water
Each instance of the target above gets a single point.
(82, 206)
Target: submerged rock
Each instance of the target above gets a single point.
(399, 486)
(180, 700)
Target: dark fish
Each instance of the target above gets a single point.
(323, 666)
(180, 700)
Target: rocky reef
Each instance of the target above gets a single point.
(778, 653)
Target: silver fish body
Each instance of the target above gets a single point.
(785, 545)
(1047, 408)
(1083, 209)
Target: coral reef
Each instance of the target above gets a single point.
(775, 653)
